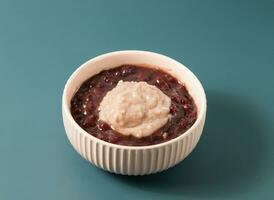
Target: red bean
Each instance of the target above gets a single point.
(173, 109)
(103, 126)
(89, 121)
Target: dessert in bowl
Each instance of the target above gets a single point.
(133, 112)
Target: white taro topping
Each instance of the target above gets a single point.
(135, 108)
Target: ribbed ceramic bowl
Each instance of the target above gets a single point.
(130, 160)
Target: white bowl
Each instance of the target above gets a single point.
(130, 160)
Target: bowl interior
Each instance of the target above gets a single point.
(111, 60)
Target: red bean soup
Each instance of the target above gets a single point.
(85, 103)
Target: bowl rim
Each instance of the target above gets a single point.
(66, 110)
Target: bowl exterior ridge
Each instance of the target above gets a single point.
(130, 161)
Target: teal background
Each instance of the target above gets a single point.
(229, 45)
